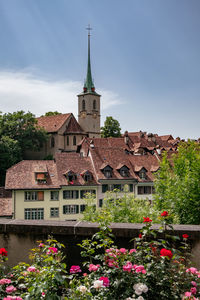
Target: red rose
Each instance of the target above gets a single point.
(147, 220)
(106, 281)
(164, 214)
(3, 252)
(140, 235)
(165, 252)
(185, 236)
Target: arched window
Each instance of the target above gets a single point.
(52, 142)
(83, 104)
(74, 140)
(67, 140)
(94, 105)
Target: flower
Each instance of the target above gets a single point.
(147, 220)
(193, 283)
(128, 267)
(193, 290)
(123, 250)
(75, 269)
(5, 281)
(132, 251)
(106, 281)
(31, 269)
(140, 288)
(41, 245)
(166, 253)
(140, 236)
(139, 269)
(43, 294)
(93, 267)
(12, 298)
(97, 284)
(192, 270)
(10, 289)
(82, 289)
(3, 252)
(185, 236)
(188, 294)
(164, 213)
(52, 250)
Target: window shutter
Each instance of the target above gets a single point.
(100, 202)
(40, 195)
(64, 209)
(82, 194)
(77, 209)
(104, 188)
(76, 194)
(131, 187)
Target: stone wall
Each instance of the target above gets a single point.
(19, 236)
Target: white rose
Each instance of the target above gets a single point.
(98, 284)
(82, 289)
(140, 298)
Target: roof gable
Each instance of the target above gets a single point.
(53, 123)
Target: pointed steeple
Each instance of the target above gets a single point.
(89, 85)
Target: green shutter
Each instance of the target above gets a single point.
(131, 187)
(82, 207)
(104, 188)
(77, 209)
(77, 195)
(63, 209)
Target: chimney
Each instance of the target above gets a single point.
(126, 137)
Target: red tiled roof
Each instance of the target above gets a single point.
(73, 126)
(53, 123)
(6, 207)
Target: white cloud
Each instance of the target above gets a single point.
(24, 91)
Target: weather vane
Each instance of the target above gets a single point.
(89, 29)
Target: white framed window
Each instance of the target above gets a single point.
(70, 209)
(54, 195)
(70, 194)
(54, 212)
(34, 213)
(34, 196)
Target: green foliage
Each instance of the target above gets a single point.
(18, 132)
(177, 184)
(119, 208)
(51, 113)
(111, 128)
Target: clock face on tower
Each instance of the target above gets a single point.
(94, 115)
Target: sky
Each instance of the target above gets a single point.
(145, 57)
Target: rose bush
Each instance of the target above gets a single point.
(154, 268)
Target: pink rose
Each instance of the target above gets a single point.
(193, 290)
(5, 281)
(52, 250)
(10, 289)
(188, 294)
(192, 270)
(128, 267)
(123, 250)
(41, 245)
(75, 269)
(132, 251)
(106, 281)
(93, 267)
(31, 269)
(193, 283)
(139, 269)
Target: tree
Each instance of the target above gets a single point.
(51, 113)
(18, 133)
(178, 183)
(111, 128)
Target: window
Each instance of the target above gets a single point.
(71, 176)
(41, 177)
(67, 140)
(142, 174)
(54, 195)
(120, 187)
(84, 192)
(34, 213)
(144, 190)
(54, 212)
(82, 207)
(70, 209)
(124, 171)
(107, 171)
(74, 140)
(70, 194)
(34, 196)
(100, 202)
(94, 105)
(83, 104)
(52, 142)
(87, 176)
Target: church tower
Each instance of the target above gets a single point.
(89, 103)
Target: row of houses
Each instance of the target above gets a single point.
(55, 189)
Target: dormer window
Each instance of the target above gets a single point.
(41, 177)
(71, 176)
(124, 171)
(142, 174)
(107, 171)
(87, 176)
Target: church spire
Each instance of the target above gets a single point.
(89, 85)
